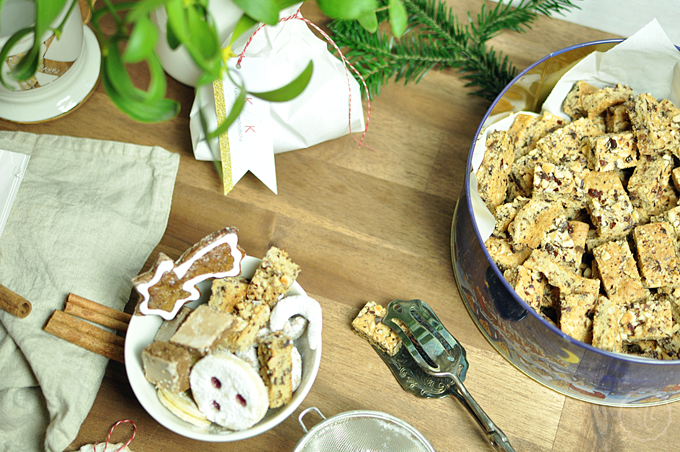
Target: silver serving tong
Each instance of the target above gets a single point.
(440, 362)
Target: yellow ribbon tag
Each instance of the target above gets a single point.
(225, 153)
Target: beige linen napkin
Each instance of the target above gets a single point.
(86, 218)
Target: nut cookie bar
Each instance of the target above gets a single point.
(492, 175)
(588, 225)
(273, 278)
(609, 205)
(658, 260)
(368, 324)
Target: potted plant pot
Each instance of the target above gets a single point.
(68, 70)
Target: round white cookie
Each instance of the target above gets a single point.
(229, 391)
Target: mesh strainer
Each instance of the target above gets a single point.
(364, 431)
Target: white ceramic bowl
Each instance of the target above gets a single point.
(141, 332)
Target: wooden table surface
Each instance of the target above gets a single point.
(366, 225)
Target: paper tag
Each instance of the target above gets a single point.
(12, 169)
(247, 145)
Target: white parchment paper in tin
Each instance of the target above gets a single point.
(648, 62)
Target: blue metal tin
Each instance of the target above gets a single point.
(515, 330)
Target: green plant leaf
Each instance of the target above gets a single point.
(201, 42)
(286, 3)
(118, 76)
(4, 53)
(266, 11)
(347, 9)
(146, 112)
(178, 20)
(45, 13)
(291, 90)
(173, 40)
(203, 36)
(244, 24)
(369, 22)
(143, 40)
(143, 9)
(398, 17)
(236, 109)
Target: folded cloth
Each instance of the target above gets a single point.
(85, 220)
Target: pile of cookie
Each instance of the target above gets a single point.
(587, 225)
(230, 360)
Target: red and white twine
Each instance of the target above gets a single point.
(108, 438)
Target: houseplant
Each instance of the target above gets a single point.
(190, 25)
(431, 26)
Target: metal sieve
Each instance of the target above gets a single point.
(361, 431)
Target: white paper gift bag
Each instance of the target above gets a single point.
(275, 56)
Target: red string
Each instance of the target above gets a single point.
(108, 438)
(345, 64)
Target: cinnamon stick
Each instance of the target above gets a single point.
(87, 328)
(14, 303)
(99, 314)
(57, 327)
(98, 308)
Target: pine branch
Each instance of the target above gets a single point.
(435, 39)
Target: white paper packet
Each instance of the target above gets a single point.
(12, 169)
(648, 62)
(273, 58)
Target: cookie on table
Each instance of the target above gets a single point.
(167, 365)
(648, 126)
(522, 174)
(204, 329)
(533, 221)
(606, 326)
(526, 130)
(502, 252)
(506, 212)
(170, 284)
(573, 102)
(619, 273)
(575, 315)
(565, 242)
(274, 352)
(609, 206)
(493, 173)
(530, 285)
(368, 324)
(657, 259)
(254, 315)
(597, 102)
(227, 292)
(563, 146)
(647, 185)
(616, 119)
(647, 349)
(560, 276)
(228, 391)
(649, 319)
(561, 183)
(672, 218)
(273, 278)
(611, 151)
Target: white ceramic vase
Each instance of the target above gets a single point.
(68, 70)
(178, 63)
